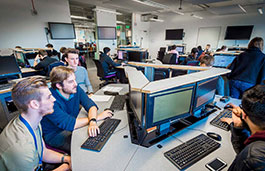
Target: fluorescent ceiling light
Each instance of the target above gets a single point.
(79, 17)
(260, 10)
(151, 3)
(243, 9)
(120, 22)
(83, 26)
(158, 20)
(196, 16)
(177, 12)
(105, 10)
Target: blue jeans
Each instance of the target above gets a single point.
(237, 88)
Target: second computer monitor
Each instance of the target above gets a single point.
(205, 93)
(180, 49)
(223, 61)
(122, 55)
(8, 66)
(168, 106)
(134, 56)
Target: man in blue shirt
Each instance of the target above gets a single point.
(58, 127)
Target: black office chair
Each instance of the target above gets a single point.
(111, 77)
(160, 55)
(169, 59)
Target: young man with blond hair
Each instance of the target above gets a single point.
(21, 144)
(58, 127)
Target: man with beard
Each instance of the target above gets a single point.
(247, 119)
(58, 127)
(21, 144)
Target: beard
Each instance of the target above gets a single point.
(67, 91)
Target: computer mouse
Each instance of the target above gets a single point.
(110, 110)
(228, 106)
(214, 136)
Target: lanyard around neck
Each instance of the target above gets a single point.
(34, 137)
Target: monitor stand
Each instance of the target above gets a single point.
(148, 137)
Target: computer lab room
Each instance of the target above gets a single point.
(132, 85)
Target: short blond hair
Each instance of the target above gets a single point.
(26, 90)
(59, 74)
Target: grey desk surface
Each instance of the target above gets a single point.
(120, 154)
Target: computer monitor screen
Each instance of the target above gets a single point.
(62, 30)
(205, 93)
(122, 55)
(223, 60)
(107, 33)
(174, 34)
(134, 56)
(180, 49)
(238, 32)
(136, 104)
(169, 105)
(8, 66)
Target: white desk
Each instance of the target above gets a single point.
(120, 154)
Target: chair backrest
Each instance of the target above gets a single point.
(160, 55)
(100, 70)
(169, 59)
(52, 65)
(162, 49)
(193, 63)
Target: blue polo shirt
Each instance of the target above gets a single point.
(65, 112)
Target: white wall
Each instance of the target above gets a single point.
(140, 31)
(19, 27)
(106, 19)
(192, 25)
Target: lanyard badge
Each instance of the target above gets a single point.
(39, 168)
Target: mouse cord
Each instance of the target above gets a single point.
(178, 139)
(120, 129)
(195, 129)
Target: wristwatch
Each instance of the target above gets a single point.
(92, 119)
(62, 159)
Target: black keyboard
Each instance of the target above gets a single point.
(106, 130)
(118, 102)
(218, 123)
(5, 86)
(191, 151)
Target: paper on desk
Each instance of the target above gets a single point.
(100, 98)
(112, 89)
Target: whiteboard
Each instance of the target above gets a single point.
(208, 35)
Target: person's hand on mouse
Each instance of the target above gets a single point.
(105, 114)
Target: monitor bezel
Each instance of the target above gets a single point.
(52, 36)
(140, 120)
(194, 108)
(150, 103)
(223, 55)
(14, 73)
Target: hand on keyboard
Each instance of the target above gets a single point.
(93, 129)
(105, 114)
(227, 120)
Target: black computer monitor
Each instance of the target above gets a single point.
(180, 49)
(169, 105)
(136, 104)
(205, 93)
(222, 60)
(8, 67)
(135, 56)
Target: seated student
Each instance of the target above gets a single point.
(222, 49)
(45, 61)
(51, 52)
(191, 57)
(21, 144)
(58, 127)
(249, 119)
(199, 51)
(174, 51)
(109, 65)
(207, 61)
(81, 75)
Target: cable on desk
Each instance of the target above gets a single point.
(178, 139)
(121, 129)
(131, 158)
(195, 129)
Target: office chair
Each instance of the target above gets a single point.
(160, 55)
(52, 65)
(169, 59)
(111, 76)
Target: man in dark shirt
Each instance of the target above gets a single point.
(249, 119)
(57, 127)
(51, 52)
(45, 61)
